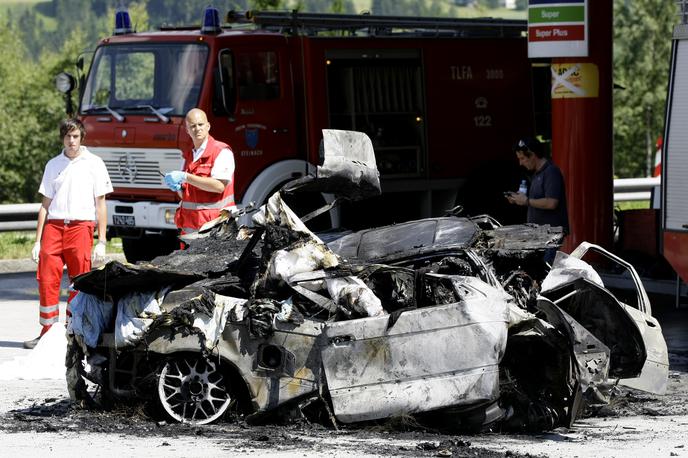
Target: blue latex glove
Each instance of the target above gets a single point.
(174, 179)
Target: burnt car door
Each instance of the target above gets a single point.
(427, 359)
(639, 356)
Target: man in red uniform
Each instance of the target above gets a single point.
(206, 182)
(73, 187)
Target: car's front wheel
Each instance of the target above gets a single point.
(193, 390)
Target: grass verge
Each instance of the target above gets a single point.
(632, 205)
(18, 244)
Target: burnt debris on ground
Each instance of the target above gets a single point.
(51, 415)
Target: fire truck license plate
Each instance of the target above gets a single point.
(123, 220)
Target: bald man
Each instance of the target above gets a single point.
(206, 182)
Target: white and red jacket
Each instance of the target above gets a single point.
(197, 206)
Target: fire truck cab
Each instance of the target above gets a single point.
(442, 100)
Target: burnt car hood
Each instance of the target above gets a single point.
(348, 170)
(116, 279)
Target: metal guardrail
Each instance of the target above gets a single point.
(18, 217)
(22, 217)
(635, 189)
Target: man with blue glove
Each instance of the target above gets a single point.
(206, 182)
(174, 180)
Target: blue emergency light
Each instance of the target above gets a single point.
(122, 22)
(211, 20)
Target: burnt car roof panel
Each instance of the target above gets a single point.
(406, 239)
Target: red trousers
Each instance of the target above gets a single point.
(62, 243)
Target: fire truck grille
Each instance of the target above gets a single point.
(138, 168)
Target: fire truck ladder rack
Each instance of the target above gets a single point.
(315, 23)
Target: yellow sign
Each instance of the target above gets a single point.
(575, 80)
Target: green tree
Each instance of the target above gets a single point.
(74, 15)
(641, 65)
(266, 4)
(326, 6)
(178, 12)
(30, 28)
(30, 110)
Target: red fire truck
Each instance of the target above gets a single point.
(443, 100)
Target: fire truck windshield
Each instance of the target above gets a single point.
(165, 78)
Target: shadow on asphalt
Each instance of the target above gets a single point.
(22, 286)
(21, 295)
(674, 323)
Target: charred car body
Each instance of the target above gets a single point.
(456, 320)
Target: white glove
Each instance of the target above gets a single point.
(98, 252)
(36, 252)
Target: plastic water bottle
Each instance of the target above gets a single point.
(523, 187)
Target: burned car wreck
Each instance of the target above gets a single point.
(455, 320)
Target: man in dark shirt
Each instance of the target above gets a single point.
(546, 196)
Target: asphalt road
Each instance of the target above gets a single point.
(19, 311)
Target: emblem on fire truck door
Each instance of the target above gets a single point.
(127, 167)
(251, 137)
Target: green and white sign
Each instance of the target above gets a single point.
(557, 28)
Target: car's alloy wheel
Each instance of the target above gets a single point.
(192, 390)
